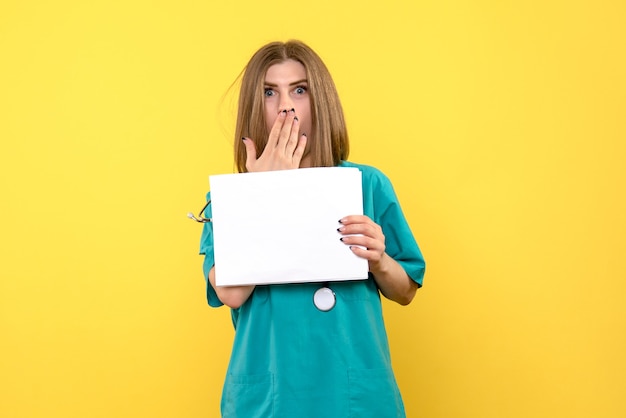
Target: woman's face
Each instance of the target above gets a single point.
(286, 88)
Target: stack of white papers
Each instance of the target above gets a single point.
(281, 226)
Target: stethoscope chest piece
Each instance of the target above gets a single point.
(324, 299)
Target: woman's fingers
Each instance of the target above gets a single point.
(364, 236)
(292, 139)
(296, 143)
(285, 132)
(250, 152)
(276, 130)
(360, 224)
(299, 151)
(284, 149)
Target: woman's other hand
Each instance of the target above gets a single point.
(367, 240)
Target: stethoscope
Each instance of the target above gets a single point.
(324, 298)
(200, 217)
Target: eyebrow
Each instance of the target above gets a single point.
(303, 81)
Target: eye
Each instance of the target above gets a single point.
(300, 90)
(269, 92)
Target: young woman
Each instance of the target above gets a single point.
(291, 358)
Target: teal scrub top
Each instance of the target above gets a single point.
(290, 359)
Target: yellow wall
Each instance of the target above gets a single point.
(501, 125)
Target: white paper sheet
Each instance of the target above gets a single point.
(281, 226)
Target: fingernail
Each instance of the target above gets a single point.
(340, 221)
(284, 111)
(243, 138)
(293, 110)
(303, 134)
(341, 239)
(339, 229)
(295, 118)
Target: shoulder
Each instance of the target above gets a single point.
(372, 176)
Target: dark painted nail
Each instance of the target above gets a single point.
(341, 239)
(295, 118)
(243, 138)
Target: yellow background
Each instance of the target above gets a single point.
(501, 125)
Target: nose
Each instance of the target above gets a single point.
(286, 103)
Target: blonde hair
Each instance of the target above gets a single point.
(328, 140)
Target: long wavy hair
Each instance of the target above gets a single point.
(328, 142)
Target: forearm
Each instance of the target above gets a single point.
(231, 296)
(394, 283)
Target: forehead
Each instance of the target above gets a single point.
(286, 71)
